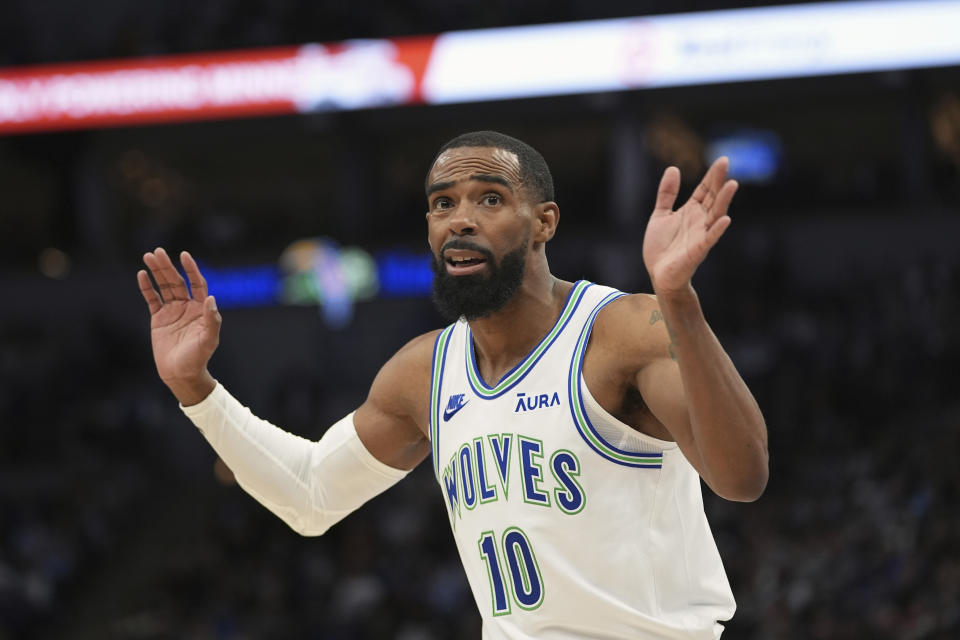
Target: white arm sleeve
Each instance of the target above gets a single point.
(310, 485)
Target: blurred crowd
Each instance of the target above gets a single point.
(116, 521)
(857, 534)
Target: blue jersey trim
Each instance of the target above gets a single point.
(574, 298)
(582, 422)
(436, 383)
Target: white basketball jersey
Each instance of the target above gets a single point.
(569, 523)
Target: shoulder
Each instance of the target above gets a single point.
(631, 330)
(413, 360)
(392, 422)
(629, 309)
(400, 392)
(403, 382)
(419, 347)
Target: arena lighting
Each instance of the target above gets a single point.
(318, 272)
(462, 66)
(754, 154)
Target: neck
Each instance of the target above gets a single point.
(503, 339)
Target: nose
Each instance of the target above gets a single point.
(462, 221)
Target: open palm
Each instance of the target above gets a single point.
(184, 330)
(676, 242)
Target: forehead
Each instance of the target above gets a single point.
(460, 163)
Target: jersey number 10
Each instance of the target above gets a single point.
(518, 563)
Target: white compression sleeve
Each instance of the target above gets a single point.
(310, 485)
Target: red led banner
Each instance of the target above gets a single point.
(734, 45)
(349, 75)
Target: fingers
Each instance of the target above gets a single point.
(722, 202)
(172, 286)
(198, 284)
(210, 311)
(706, 192)
(668, 190)
(715, 231)
(149, 293)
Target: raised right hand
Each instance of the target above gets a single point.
(184, 330)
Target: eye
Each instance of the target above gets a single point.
(492, 199)
(442, 203)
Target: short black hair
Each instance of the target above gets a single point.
(533, 168)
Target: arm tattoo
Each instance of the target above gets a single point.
(655, 317)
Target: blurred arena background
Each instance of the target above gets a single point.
(836, 291)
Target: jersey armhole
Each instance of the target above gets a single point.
(436, 381)
(594, 438)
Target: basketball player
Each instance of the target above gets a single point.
(568, 424)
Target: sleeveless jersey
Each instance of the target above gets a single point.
(569, 523)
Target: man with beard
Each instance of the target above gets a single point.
(569, 424)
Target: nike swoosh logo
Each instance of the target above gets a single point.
(449, 413)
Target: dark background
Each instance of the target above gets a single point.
(835, 291)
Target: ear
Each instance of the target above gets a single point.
(545, 225)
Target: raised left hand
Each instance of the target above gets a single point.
(676, 242)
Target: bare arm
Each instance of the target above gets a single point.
(392, 421)
(692, 394)
(694, 389)
(697, 394)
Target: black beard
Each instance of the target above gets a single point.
(478, 295)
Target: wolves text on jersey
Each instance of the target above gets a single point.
(507, 466)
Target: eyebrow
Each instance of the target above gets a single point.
(479, 177)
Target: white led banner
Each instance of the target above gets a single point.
(693, 48)
(490, 64)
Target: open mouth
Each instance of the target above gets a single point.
(461, 262)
